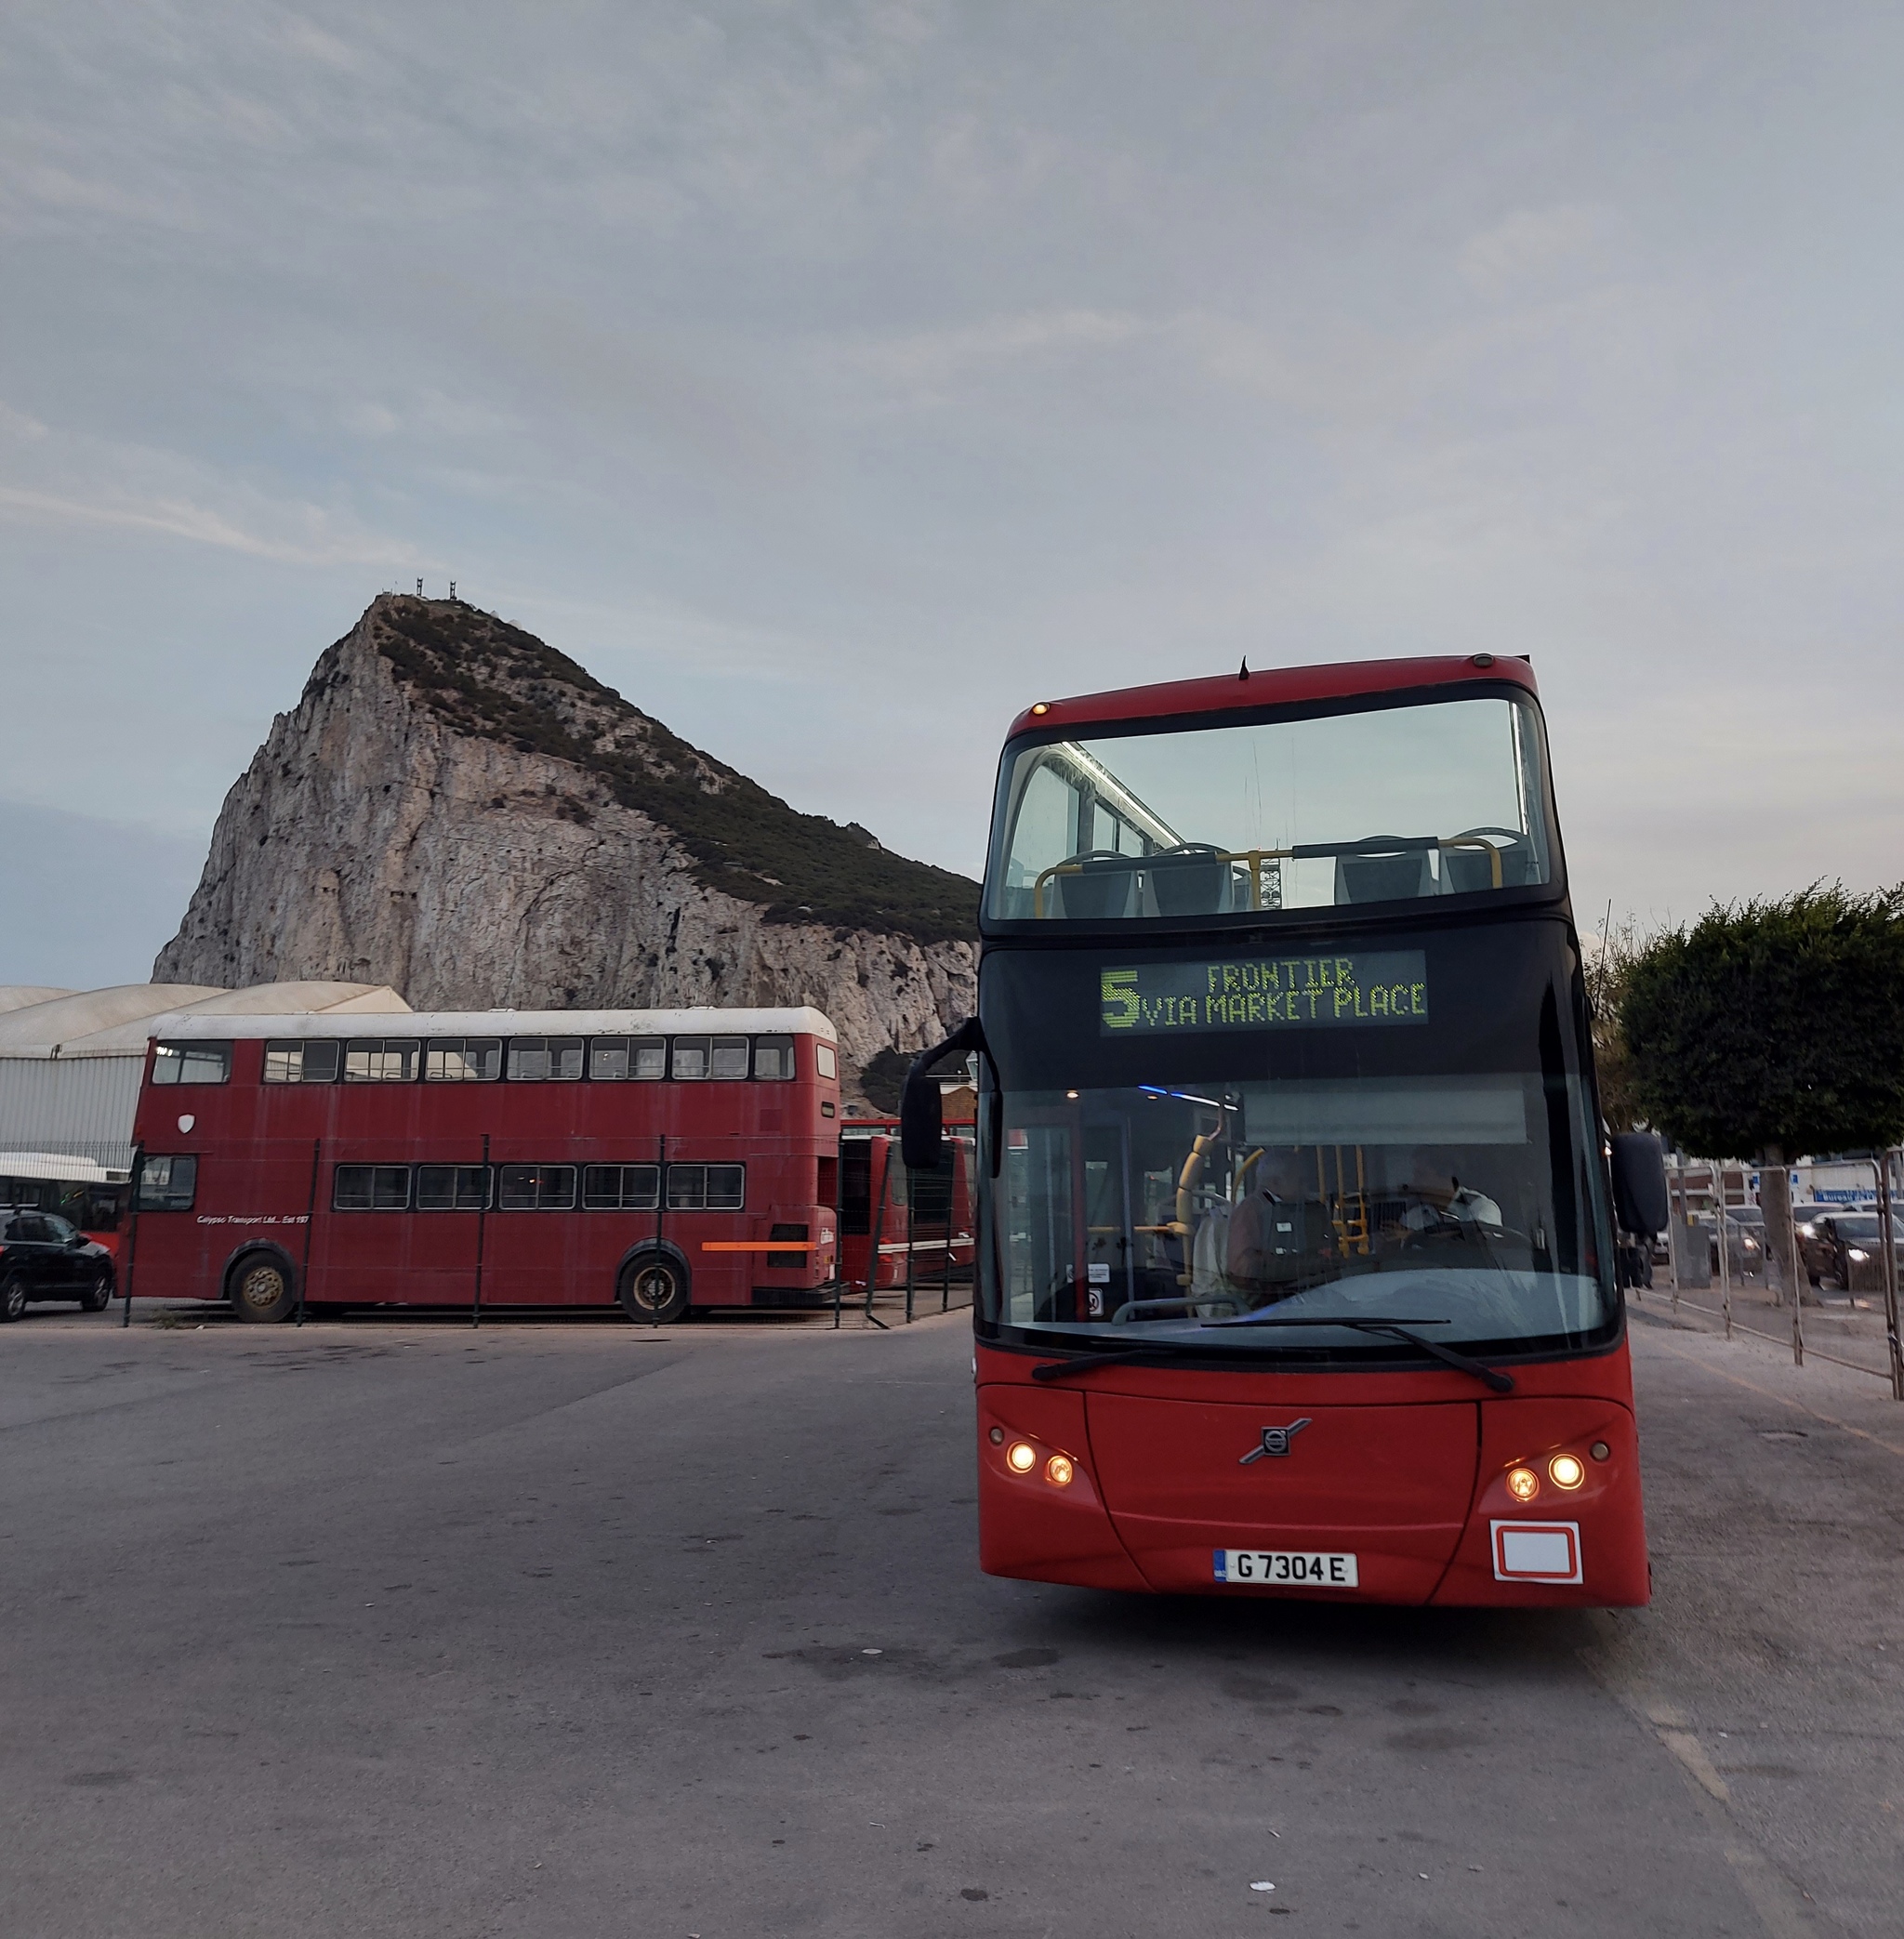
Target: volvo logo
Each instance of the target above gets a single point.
(1276, 1441)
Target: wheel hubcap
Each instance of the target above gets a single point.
(653, 1288)
(261, 1287)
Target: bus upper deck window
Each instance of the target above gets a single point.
(544, 1060)
(730, 1056)
(773, 1057)
(305, 1061)
(825, 1060)
(691, 1055)
(382, 1059)
(615, 1060)
(463, 1059)
(192, 1063)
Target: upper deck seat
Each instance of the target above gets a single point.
(1191, 879)
(1466, 871)
(1378, 872)
(1102, 888)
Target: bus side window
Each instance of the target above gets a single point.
(824, 1060)
(463, 1059)
(370, 1188)
(382, 1059)
(773, 1057)
(452, 1188)
(707, 1188)
(302, 1060)
(730, 1057)
(544, 1060)
(620, 1188)
(192, 1063)
(614, 1059)
(167, 1184)
(536, 1188)
(691, 1055)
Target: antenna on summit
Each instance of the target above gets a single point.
(1243, 671)
(419, 589)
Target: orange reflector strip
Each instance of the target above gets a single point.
(761, 1245)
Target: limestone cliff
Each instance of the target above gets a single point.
(455, 809)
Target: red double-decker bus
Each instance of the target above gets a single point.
(669, 1160)
(1297, 1267)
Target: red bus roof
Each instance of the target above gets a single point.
(1275, 686)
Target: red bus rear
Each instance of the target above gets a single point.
(1297, 1271)
(669, 1160)
(897, 1226)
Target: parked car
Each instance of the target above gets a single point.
(1745, 1231)
(46, 1257)
(1843, 1247)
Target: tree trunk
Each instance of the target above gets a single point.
(1783, 1273)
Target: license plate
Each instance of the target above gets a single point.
(1294, 1569)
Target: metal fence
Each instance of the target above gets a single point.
(1683, 1231)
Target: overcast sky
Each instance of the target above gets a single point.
(835, 379)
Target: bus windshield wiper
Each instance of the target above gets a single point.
(1395, 1329)
(1115, 1356)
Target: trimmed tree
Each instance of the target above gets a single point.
(1773, 1029)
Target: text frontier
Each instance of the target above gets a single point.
(1384, 987)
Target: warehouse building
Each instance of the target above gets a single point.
(71, 1060)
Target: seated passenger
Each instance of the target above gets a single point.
(1437, 1201)
(1275, 1237)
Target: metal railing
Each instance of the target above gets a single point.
(1796, 1277)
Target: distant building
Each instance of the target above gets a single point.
(71, 1060)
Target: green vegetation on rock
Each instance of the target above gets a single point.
(489, 678)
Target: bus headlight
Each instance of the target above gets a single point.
(1021, 1458)
(1058, 1471)
(1567, 1470)
(1523, 1483)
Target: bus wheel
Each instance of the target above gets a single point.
(653, 1290)
(260, 1289)
(12, 1297)
(99, 1295)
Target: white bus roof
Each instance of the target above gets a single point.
(804, 1021)
(57, 1165)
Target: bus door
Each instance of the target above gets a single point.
(1044, 1238)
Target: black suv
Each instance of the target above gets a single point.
(42, 1257)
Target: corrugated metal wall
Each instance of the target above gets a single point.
(80, 1105)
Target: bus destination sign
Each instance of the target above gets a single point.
(1266, 993)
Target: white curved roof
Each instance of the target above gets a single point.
(118, 1021)
(34, 1027)
(17, 995)
(805, 1021)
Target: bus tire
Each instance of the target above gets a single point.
(12, 1297)
(99, 1295)
(653, 1289)
(259, 1288)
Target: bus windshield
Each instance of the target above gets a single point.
(1393, 1134)
(1374, 805)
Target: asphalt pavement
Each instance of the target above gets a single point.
(386, 1628)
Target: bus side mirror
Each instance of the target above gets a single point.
(922, 1122)
(1640, 1201)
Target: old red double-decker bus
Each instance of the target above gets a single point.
(669, 1160)
(1297, 1269)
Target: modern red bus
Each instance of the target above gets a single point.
(669, 1160)
(1297, 1263)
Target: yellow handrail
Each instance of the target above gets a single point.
(1256, 858)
